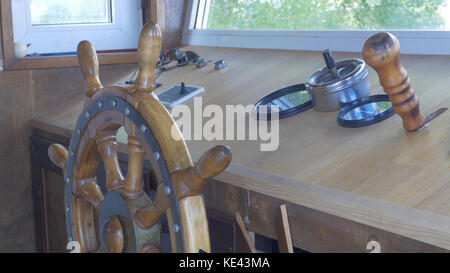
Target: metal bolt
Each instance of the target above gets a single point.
(167, 190)
(68, 180)
(114, 103)
(79, 131)
(143, 128)
(156, 155)
(127, 111)
(67, 209)
(88, 114)
(72, 153)
(100, 104)
(176, 228)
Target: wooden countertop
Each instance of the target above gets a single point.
(377, 175)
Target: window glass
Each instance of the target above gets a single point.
(325, 14)
(62, 12)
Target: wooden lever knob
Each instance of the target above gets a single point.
(89, 66)
(381, 52)
(149, 50)
(58, 155)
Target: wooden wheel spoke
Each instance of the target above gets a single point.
(191, 181)
(134, 185)
(107, 147)
(188, 182)
(88, 190)
(89, 66)
(147, 216)
(58, 154)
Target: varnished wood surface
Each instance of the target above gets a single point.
(380, 175)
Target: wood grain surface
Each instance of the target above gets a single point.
(380, 175)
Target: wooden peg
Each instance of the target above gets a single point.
(283, 231)
(243, 242)
(134, 185)
(114, 236)
(191, 181)
(381, 52)
(89, 66)
(58, 155)
(148, 52)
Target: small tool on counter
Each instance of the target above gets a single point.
(381, 52)
(219, 65)
(178, 94)
(200, 63)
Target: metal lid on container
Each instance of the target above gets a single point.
(336, 76)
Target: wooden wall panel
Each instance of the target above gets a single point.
(52, 87)
(16, 210)
(175, 13)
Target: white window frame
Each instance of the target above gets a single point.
(121, 33)
(431, 42)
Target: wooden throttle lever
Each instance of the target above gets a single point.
(381, 52)
(187, 182)
(89, 66)
(149, 51)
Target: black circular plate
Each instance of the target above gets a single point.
(365, 111)
(281, 93)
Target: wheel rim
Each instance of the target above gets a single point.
(113, 103)
(126, 219)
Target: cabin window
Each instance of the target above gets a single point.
(65, 12)
(423, 27)
(54, 27)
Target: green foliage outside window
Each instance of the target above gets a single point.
(328, 14)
